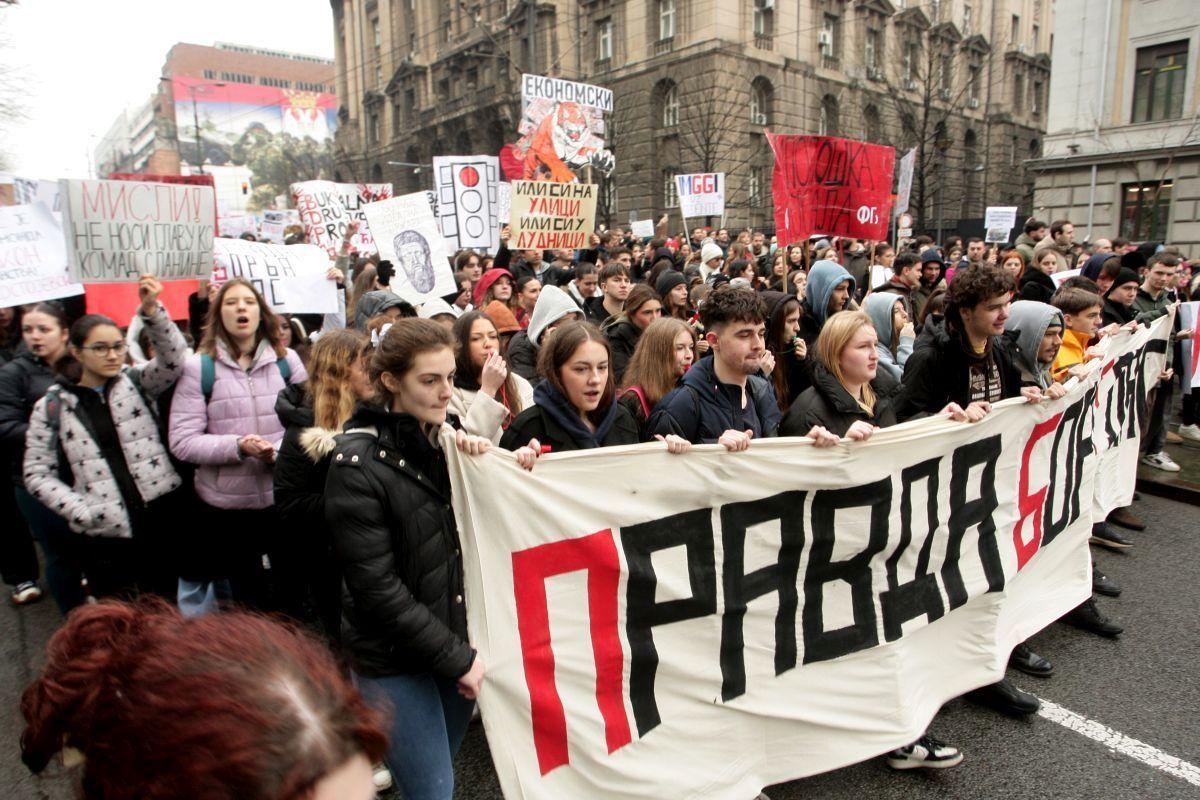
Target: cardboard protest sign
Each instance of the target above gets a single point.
(551, 216)
(904, 186)
(325, 208)
(292, 279)
(408, 235)
(998, 221)
(118, 230)
(1188, 315)
(642, 228)
(562, 129)
(33, 257)
(701, 195)
(838, 187)
(705, 638)
(467, 189)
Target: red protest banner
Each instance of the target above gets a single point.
(822, 184)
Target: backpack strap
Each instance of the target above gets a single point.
(208, 376)
(641, 396)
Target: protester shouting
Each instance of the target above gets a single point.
(223, 420)
(94, 454)
(664, 353)
(487, 394)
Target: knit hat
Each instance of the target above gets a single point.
(668, 280)
(485, 282)
(821, 244)
(1126, 275)
(1134, 260)
(502, 316)
(709, 252)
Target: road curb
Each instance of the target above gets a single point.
(1183, 491)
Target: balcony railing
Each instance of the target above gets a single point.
(664, 46)
(764, 41)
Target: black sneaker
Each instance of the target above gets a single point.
(1006, 698)
(1106, 535)
(1029, 662)
(1102, 584)
(1088, 617)
(926, 752)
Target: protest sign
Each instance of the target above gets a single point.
(904, 187)
(273, 232)
(813, 613)
(701, 195)
(118, 230)
(552, 216)
(1060, 277)
(235, 226)
(33, 257)
(291, 279)
(642, 228)
(325, 208)
(562, 129)
(468, 206)
(1188, 315)
(503, 201)
(998, 221)
(838, 187)
(408, 235)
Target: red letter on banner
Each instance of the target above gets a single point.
(598, 555)
(1031, 504)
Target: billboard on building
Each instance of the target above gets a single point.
(224, 111)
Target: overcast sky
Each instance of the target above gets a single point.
(80, 62)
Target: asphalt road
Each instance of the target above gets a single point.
(1145, 685)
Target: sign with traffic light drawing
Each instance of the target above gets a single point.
(468, 206)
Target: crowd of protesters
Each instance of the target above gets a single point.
(293, 464)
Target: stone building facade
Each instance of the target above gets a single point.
(696, 83)
(1122, 152)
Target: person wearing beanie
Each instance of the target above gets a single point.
(1118, 300)
(672, 288)
(553, 308)
(711, 256)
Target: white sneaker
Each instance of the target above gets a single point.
(1160, 461)
(1190, 432)
(26, 593)
(383, 777)
(926, 752)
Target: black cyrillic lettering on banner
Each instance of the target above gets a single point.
(920, 596)
(692, 530)
(1140, 388)
(820, 644)
(964, 514)
(740, 588)
(1079, 447)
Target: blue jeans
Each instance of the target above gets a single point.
(429, 719)
(64, 569)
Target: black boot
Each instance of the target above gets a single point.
(1087, 617)
(1029, 662)
(1005, 698)
(1102, 584)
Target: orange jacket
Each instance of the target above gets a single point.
(1073, 351)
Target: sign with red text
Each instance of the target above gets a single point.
(832, 186)
(326, 208)
(546, 215)
(701, 195)
(117, 231)
(292, 279)
(33, 257)
(704, 638)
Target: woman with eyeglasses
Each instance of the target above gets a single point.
(94, 454)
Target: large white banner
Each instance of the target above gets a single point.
(292, 279)
(468, 201)
(701, 195)
(408, 235)
(33, 258)
(704, 625)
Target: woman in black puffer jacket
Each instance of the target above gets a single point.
(387, 504)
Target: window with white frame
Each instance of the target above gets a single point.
(764, 11)
(666, 19)
(604, 40)
(757, 175)
(871, 50)
(670, 192)
(760, 102)
(670, 106)
(967, 13)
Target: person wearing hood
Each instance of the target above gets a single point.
(932, 269)
(790, 376)
(830, 290)
(372, 304)
(574, 407)
(1036, 283)
(494, 292)
(1102, 268)
(438, 310)
(313, 414)
(896, 335)
(487, 395)
(553, 308)
(642, 307)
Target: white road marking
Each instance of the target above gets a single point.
(1119, 742)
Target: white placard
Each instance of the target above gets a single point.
(503, 201)
(408, 235)
(701, 194)
(904, 187)
(642, 228)
(292, 279)
(468, 205)
(1000, 217)
(33, 257)
(1059, 277)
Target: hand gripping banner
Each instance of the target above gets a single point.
(701, 626)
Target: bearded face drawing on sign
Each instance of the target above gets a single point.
(412, 251)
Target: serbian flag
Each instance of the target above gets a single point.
(833, 186)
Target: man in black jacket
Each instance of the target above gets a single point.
(967, 360)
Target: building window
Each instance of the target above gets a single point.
(604, 40)
(912, 59)
(670, 193)
(871, 52)
(827, 124)
(410, 100)
(279, 83)
(973, 72)
(1014, 34)
(827, 40)
(760, 103)
(871, 125)
(935, 10)
(757, 175)
(966, 31)
(210, 74)
(946, 71)
(305, 86)
(666, 19)
(237, 77)
(1019, 91)
(670, 106)
(397, 117)
(373, 131)
(1037, 98)
(1037, 35)
(1161, 73)
(764, 13)
(1145, 210)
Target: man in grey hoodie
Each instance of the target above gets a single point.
(553, 308)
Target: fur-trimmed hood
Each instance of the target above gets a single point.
(317, 442)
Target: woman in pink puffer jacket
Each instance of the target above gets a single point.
(227, 426)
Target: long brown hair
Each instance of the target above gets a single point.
(651, 368)
(837, 332)
(468, 372)
(408, 338)
(638, 296)
(214, 330)
(557, 349)
(330, 362)
(364, 281)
